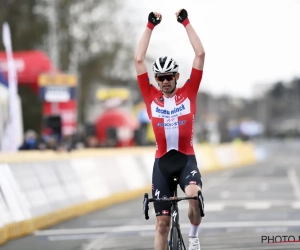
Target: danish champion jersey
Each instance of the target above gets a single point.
(172, 118)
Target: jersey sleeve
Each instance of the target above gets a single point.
(193, 83)
(146, 88)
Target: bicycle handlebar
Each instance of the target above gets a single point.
(146, 207)
(173, 199)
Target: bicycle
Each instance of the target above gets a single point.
(176, 241)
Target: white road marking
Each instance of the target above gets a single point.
(255, 204)
(225, 194)
(271, 229)
(264, 186)
(137, 228)
(73, 237)
(95, 243)
(292, 175)
(213, 207)
(249, 181)
(296, 205)
(258, 205)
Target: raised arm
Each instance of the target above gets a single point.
(182, 17)
(154, 18)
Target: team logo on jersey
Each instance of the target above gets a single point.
(159, 100)
(171, 124)
(170, 112)
(170, 120)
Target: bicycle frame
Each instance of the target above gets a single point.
(175, 222)
(174, 209)
(175, 212)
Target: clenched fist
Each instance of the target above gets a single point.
(154, 19)
(182, 17)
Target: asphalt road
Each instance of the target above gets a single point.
(243, 206)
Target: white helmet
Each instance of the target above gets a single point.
(165, 64)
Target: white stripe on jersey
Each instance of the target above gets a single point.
(172, 132)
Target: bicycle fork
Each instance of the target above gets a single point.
(176, 226)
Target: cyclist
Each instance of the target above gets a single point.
(172, 113)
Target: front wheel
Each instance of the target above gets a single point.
(175, 242)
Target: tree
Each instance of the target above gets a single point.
(278, 90)
(94, 40)
(27, 27)
(295, 85)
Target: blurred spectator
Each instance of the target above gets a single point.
(92, 142)
(30, 141)
(144, 122)
(52, 143)
(143, 135)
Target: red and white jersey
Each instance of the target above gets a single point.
(172, 118)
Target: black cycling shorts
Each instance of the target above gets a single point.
(165, 168)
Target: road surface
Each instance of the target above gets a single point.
(243, 206)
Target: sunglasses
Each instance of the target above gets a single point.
(165, 77)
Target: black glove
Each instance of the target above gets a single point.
(183, 17)
(153, 19)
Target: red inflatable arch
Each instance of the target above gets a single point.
(29, 65)
(122, 121)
